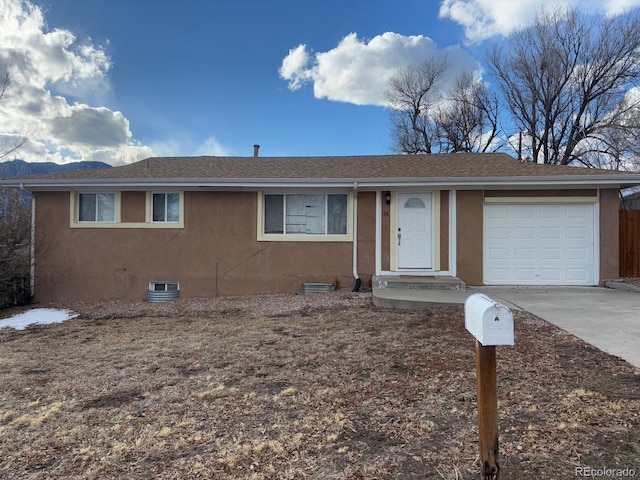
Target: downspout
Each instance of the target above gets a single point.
(356, 287)
(32, 256)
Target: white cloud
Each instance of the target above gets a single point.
(211, 146)
(185, 144)
(616, 7)
(47, 68)
(357, 71)
(486, 18)
(294, 67)
(168, 147)
(483, 19)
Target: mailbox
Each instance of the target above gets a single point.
(489, 321)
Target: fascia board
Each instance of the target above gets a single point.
(592, 181)
(187, 184)
(555, 180)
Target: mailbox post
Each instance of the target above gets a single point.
(491, 324)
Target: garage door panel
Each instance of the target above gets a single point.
(501, 274)
(550, 275)
(524, 274)
(523, 253)
(577, 254)
(500, 211)
(499, 233)
(550, 233)
(540, 244)
(578, 233)
(578, 211)
(548, 211)
(499, 254)
(579, 275)
(525, 212)
(524, 233)
(550, 253)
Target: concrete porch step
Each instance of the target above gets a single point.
(406, 282)
(415, 293)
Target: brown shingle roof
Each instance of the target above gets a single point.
(354, 167)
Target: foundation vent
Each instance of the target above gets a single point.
(310, 288)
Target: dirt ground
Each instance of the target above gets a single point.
(316, 387)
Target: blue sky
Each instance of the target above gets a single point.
(120, 80)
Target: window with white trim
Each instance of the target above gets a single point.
(97, 207)
(165, 207)
(305, 214)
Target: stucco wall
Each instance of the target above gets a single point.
(216, 253)
(366, 238)
(444, 230)
(469, 209)
(609, 234)
(385, 234)
(133, 206)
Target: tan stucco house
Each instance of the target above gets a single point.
(240, 225)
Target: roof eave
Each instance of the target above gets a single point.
(556, 181)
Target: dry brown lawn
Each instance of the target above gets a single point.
(292, 387)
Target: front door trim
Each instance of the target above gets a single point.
(391, 232)
(421, 263)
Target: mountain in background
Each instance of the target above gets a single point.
(20, 168)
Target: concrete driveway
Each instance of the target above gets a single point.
(606, 318)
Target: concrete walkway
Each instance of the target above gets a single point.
(608, 319)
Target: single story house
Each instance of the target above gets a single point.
(239, 225)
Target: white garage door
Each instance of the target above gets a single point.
(543, 244)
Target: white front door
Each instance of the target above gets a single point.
(415, 231)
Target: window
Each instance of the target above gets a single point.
(165, 207)
(414, 202)
(97, 207)
(130, 209)
(164, 286)
(305, 214)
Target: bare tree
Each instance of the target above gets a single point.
(468, 120)
(616, 147)
(425, 118)
(565, 81)
(15, 244)
(9, 144)
(412, 95)
(15, 225)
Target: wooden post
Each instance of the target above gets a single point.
(487, 410)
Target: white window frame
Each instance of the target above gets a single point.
(293, 237)
(74, 213)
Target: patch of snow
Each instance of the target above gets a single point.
(41, 316)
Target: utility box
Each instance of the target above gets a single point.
(489, 321)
